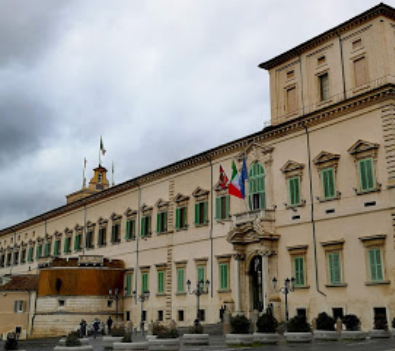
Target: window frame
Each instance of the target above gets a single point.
(256, 186)
(324, 91)
(162, 222)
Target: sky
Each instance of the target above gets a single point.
(159, 80)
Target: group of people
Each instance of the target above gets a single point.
(95, 327)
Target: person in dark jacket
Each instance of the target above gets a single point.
(109, 324)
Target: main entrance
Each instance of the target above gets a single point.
(257, 287)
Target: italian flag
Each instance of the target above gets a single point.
(234, 185)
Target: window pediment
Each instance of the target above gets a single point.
(78, 228)
(362, 146)
(129, 212)
(31, 242)
(325, 157)
(114, 216)
(254, 149)
(162, 204)
(292, 166)
(181, 198)
(145, 208)
(68, 231)
(200, 194)
(90, 224)
(102, 222)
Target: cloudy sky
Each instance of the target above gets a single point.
(161, 80)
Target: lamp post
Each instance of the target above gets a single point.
(200, 290)
(116, 296)
(289, 286)
(142, 297)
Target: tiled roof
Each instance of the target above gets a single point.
(21, 283)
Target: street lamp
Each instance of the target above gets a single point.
(115, 296)
(289, 286)
(200, 290)
(142, 297)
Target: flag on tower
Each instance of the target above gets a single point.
(223, 179)
(234, 185)
(102, 149)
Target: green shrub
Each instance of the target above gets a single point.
(298, 324)
(352, 322)
(118, 332)
(72, 339)
(196, 329)
(156, 327)
(167, 333)
(240, 325)
(267, 323)
(325, 322)
(127, 337)
(380, 322)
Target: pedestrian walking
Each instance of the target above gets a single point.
(95, 328)
(109, 324)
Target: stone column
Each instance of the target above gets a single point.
(238, 258)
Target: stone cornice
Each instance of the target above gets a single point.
(379, 10)
(269, 133)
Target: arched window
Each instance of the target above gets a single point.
(256, 196)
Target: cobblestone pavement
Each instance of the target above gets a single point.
(217, 343)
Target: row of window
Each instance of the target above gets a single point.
(181, 287)
(335, 267)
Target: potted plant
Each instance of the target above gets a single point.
(73, 342)
(353, 328)
(196, 335)
(155, 329)
(380, 327)
(325, 328)
(127, 345)
(267, 326)
(167, 339)
(239, 331)
(117, 334)
(298, 330)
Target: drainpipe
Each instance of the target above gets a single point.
(137, 242)
(312, 211)
(342, 64)
(211, 226)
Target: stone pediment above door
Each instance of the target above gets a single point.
(256, 152)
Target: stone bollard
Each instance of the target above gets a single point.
(226, 325)
(314, 324)
(339, 325)
(254, 318)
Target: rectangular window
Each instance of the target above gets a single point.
(160, 316)
(335, 275)
(375, 265)
(337, 312)
(128, 284)
(146, 226)
(57, 248)
(201, 213)
(19, 306)
(202, 315)
(222, 207)
(224, 276)
(102, 236)
(38, 252)
(161, 222)
(144, 282)
(115, 233)
(130, 229)
(294, 191)
(291, 100)
(77, 242)
(299, 271)
(180, 280)
(324, 86)
(30, 254)
(328, 183)
(23, 256)
(180, 315)
(366, 174)
(47, 249)
(144, 316)
(67, 244)
(181, 218)
(201, 273)
(360, 72)
(161, 280)
(89, 239)
(301, 312)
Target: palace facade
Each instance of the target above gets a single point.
(320, 205)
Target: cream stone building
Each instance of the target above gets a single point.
(320, 203)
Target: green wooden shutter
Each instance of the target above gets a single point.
(149, 230)
(299, 271)
(30, 254)
(144, 285)
(201, 273)
(113, 233)
(294, 191)
(46, 250)
(376, 267)
(127, 233)
(158, 223)
(334, 268)
(218, 207)
(197, 214)
(366, 174)
(160, 282)
(369, 173)
(143, 226)
(165, 222)
(205, 209)
(224, 276)
(133, 229)
(128, 284)
(177, 218)
(56, 248)
(180, 280)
